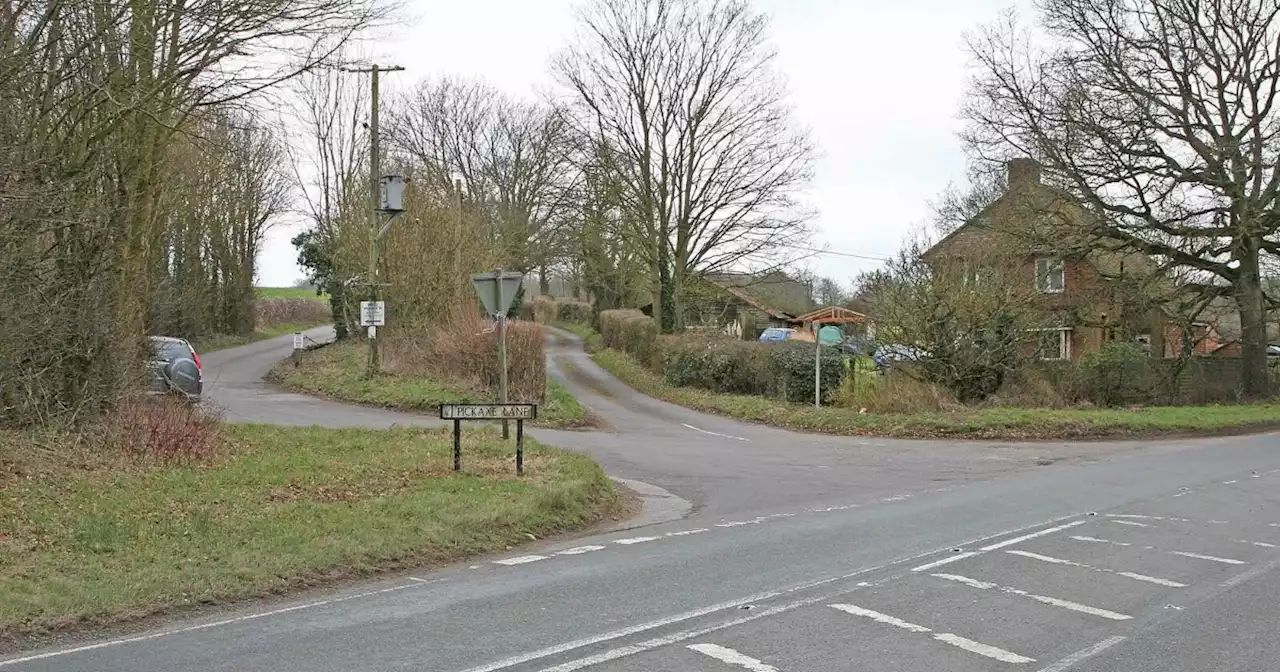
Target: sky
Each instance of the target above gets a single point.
(877, 84)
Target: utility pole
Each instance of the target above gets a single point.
(457, 241)
(375, 228)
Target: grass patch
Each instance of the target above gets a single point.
(590, 337)
(290, 293)
(337, 372)
(990, 423)
(90, 538)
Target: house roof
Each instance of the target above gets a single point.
(833, 315)
(746, 297)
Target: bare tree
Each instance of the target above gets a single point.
(685, 94)
(1161, 117)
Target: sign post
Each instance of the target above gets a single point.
(497, 291)
(504, 412)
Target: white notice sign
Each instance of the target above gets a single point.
(373, 313)
(297, 340)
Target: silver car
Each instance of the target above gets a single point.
(175, 367)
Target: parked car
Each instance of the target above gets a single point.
(1273, 350)
(886, 356)
(775, 334)
(175, 368)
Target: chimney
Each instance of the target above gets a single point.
(1023, 173)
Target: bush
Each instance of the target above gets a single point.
(716, 364)
(611, 326)
(896, 392)
(164, 428)
(791, 368)
(630, 331)
(543, 309)
(1117, 373)
(576, 312)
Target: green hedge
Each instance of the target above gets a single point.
(716, 364)
(791, 368)
(630, 331)
(569, 310)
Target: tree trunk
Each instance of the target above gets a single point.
(1254, 381)
(544, 283)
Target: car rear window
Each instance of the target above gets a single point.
(170, 350)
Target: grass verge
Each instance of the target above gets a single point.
(990, 423)
(337, 372)
(590, 337)
(91, 538)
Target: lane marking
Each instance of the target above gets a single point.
(1033, 535)
(949, 638)
(1104, 570)
(1057, 602)
(624, 632)
(635, 540)
(945, 561)
(684, 533)
(519, 560)
(1257, 543)
(205, 626)
(1138, 517)
(579, 550)
(1225, 561)
(1096, 540)
(982, 649)
(420, 580)
(726, 436)
(880, 618)
(1257, 571)
(1229, 482)
(731, 657)
(1083, 654)
(1130, 522)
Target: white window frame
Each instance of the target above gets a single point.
(1064, 344)
(1048, 264)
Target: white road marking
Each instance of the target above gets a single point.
(1100, 541)
(1130, 522)
(202, 626)
(1078, 656)
(1229, 482)
(1258, 570)
(982, 649)
(1138, 517)
(1057, 602)
(945, 561)
(414, 578)
(684, 533)
(624, 632)
(1257, 543)
(1225, 561)
(954, 640)
(880, 618)
(634, 540)
(731, 657)
(1274, 524)
(1103, 570)
(1033, 535)
(1184, 493)
(520, 560)
(579, 550)
(726, 436)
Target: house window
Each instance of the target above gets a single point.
(1053, 344)
(1050, 276)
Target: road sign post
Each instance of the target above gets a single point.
(497, 291)
(504, 412)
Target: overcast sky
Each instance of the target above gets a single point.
(877, 84)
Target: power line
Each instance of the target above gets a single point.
(837, 253)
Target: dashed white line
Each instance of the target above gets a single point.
(1057, 602)
(1033, 535)
(1096, 540)
(982, 649)
(1134, 523)
(1138, 517)
(420, 580)
(949, 638)
(1083, 654)
(685, 533)
(945, 561)
(880, 618)
(579, 550)
(1263, 544)
(726, 436)
(635, 540)
(520, 560)
(1211, 558)
(731, 657)
(1230, 482)
(1128, 575)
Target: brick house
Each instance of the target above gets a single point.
(1080, 295)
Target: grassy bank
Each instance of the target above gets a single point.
(90, 537)
(337, 372)
(988, 423)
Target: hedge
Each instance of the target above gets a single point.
(791, 366)
(716, 364)
(630, 331)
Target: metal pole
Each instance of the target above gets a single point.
(817, 367)
(519, 447)
(502, 356)
(457, 445)
(373, 219)
(457, 241)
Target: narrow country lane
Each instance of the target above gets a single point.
(801, 554)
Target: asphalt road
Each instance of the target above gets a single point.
(802, 553)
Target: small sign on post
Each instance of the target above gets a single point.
(373, 313)
(298, 343)
(459, 412)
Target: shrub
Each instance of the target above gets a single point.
(576, 312)
(716, 364)
(544, 309)
(791, 368)
(638, 338)
(611, 326)
(896, 392)
(1115, 374)
(163, 428)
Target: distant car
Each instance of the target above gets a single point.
(175, 368)
(886, 356)
(1273, 350)
(775, 334)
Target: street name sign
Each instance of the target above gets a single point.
(488, 411)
